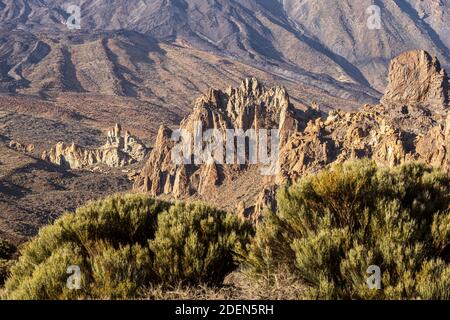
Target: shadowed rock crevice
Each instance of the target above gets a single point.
(69, 72)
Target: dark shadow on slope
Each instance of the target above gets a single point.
(69, 73)
(41, 165)
(261, 45)
(9, 189)
(38, 53)
(119, 71)
(25, 12)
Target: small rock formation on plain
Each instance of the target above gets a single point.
(412, 123)
(29, 148)
(118, 151)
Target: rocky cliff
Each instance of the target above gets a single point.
(412, 123)
(120, 149)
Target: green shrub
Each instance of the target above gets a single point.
(331, 227)
(195, 244)
(119, 244)
(119, 273)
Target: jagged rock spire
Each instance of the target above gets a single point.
(411, 124)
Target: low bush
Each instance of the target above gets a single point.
(195, 244)
(330, 228)
(121, 245)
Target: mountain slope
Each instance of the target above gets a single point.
(291, 37)
(141, 63)
(133, 65)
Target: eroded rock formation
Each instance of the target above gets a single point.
(251, 106)
(415, 77)
(29, 148)
(118, 151)
(412, 123)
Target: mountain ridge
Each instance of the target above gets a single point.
(335, 53)
(142, 63)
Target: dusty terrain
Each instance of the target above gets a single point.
(34, 192)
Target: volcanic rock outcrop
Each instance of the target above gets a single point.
(411, 124)
(21, 147)
(250, 106)
(118, 151)
(415, 77)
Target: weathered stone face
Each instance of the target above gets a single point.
(434, 147)
(118, 151)
(416, 77)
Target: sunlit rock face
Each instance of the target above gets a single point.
(250, 106)
(119, 150)
(415, 77)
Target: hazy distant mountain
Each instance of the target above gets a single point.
(290, 36)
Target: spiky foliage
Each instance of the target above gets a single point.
(195, 244)
(121, 245)
(331, 227)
